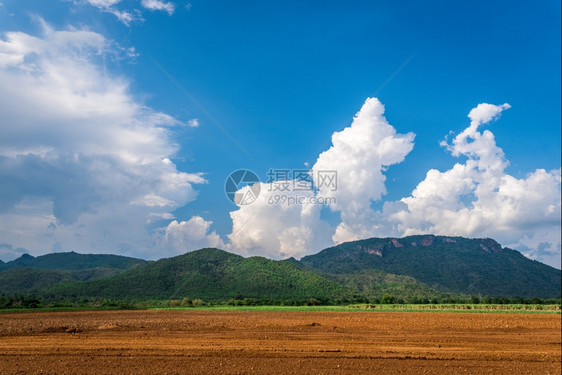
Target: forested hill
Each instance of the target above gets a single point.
(424, 266)
(452, 264)
(73, 261)
(212, 274)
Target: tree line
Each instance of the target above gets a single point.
(31, 302)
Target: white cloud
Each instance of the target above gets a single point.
(193, 123)
(126, 17)
(159, 5)
(360, 153)
(108, 6)
(484, 113)
(278, 227)
(129, 16)
(180, 237)
(286, 222)
(479, 199)
(153, 200)
(83, 165)
(159, 216)
(103, 3)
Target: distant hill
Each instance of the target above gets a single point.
(73, 261)
(29, 274)
(449, 264)
(31, 280)
(211, 274)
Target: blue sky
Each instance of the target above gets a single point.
(281, 79)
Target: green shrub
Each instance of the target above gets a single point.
(198, 302)
(387, 299)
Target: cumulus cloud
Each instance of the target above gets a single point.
(360, 154)
(279, 224)
(190, 235)
(83, 165)
(478, 198)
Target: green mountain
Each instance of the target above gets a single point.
(211, 274)
(28, 274)
(31, 280)
(422, 267)
(73, 261)
(448, 264)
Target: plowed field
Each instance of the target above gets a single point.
(274, 342)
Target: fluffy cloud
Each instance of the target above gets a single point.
(279, 224)
(479, 199)
(190, 235)
(83, 165)
(360, 154)
(275, 226)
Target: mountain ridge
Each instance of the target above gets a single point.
(72, 261)
(414, 266)
(212, 273)
(451, 264)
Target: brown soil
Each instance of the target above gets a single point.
(242, 342)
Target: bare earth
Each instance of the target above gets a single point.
(270, 342)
